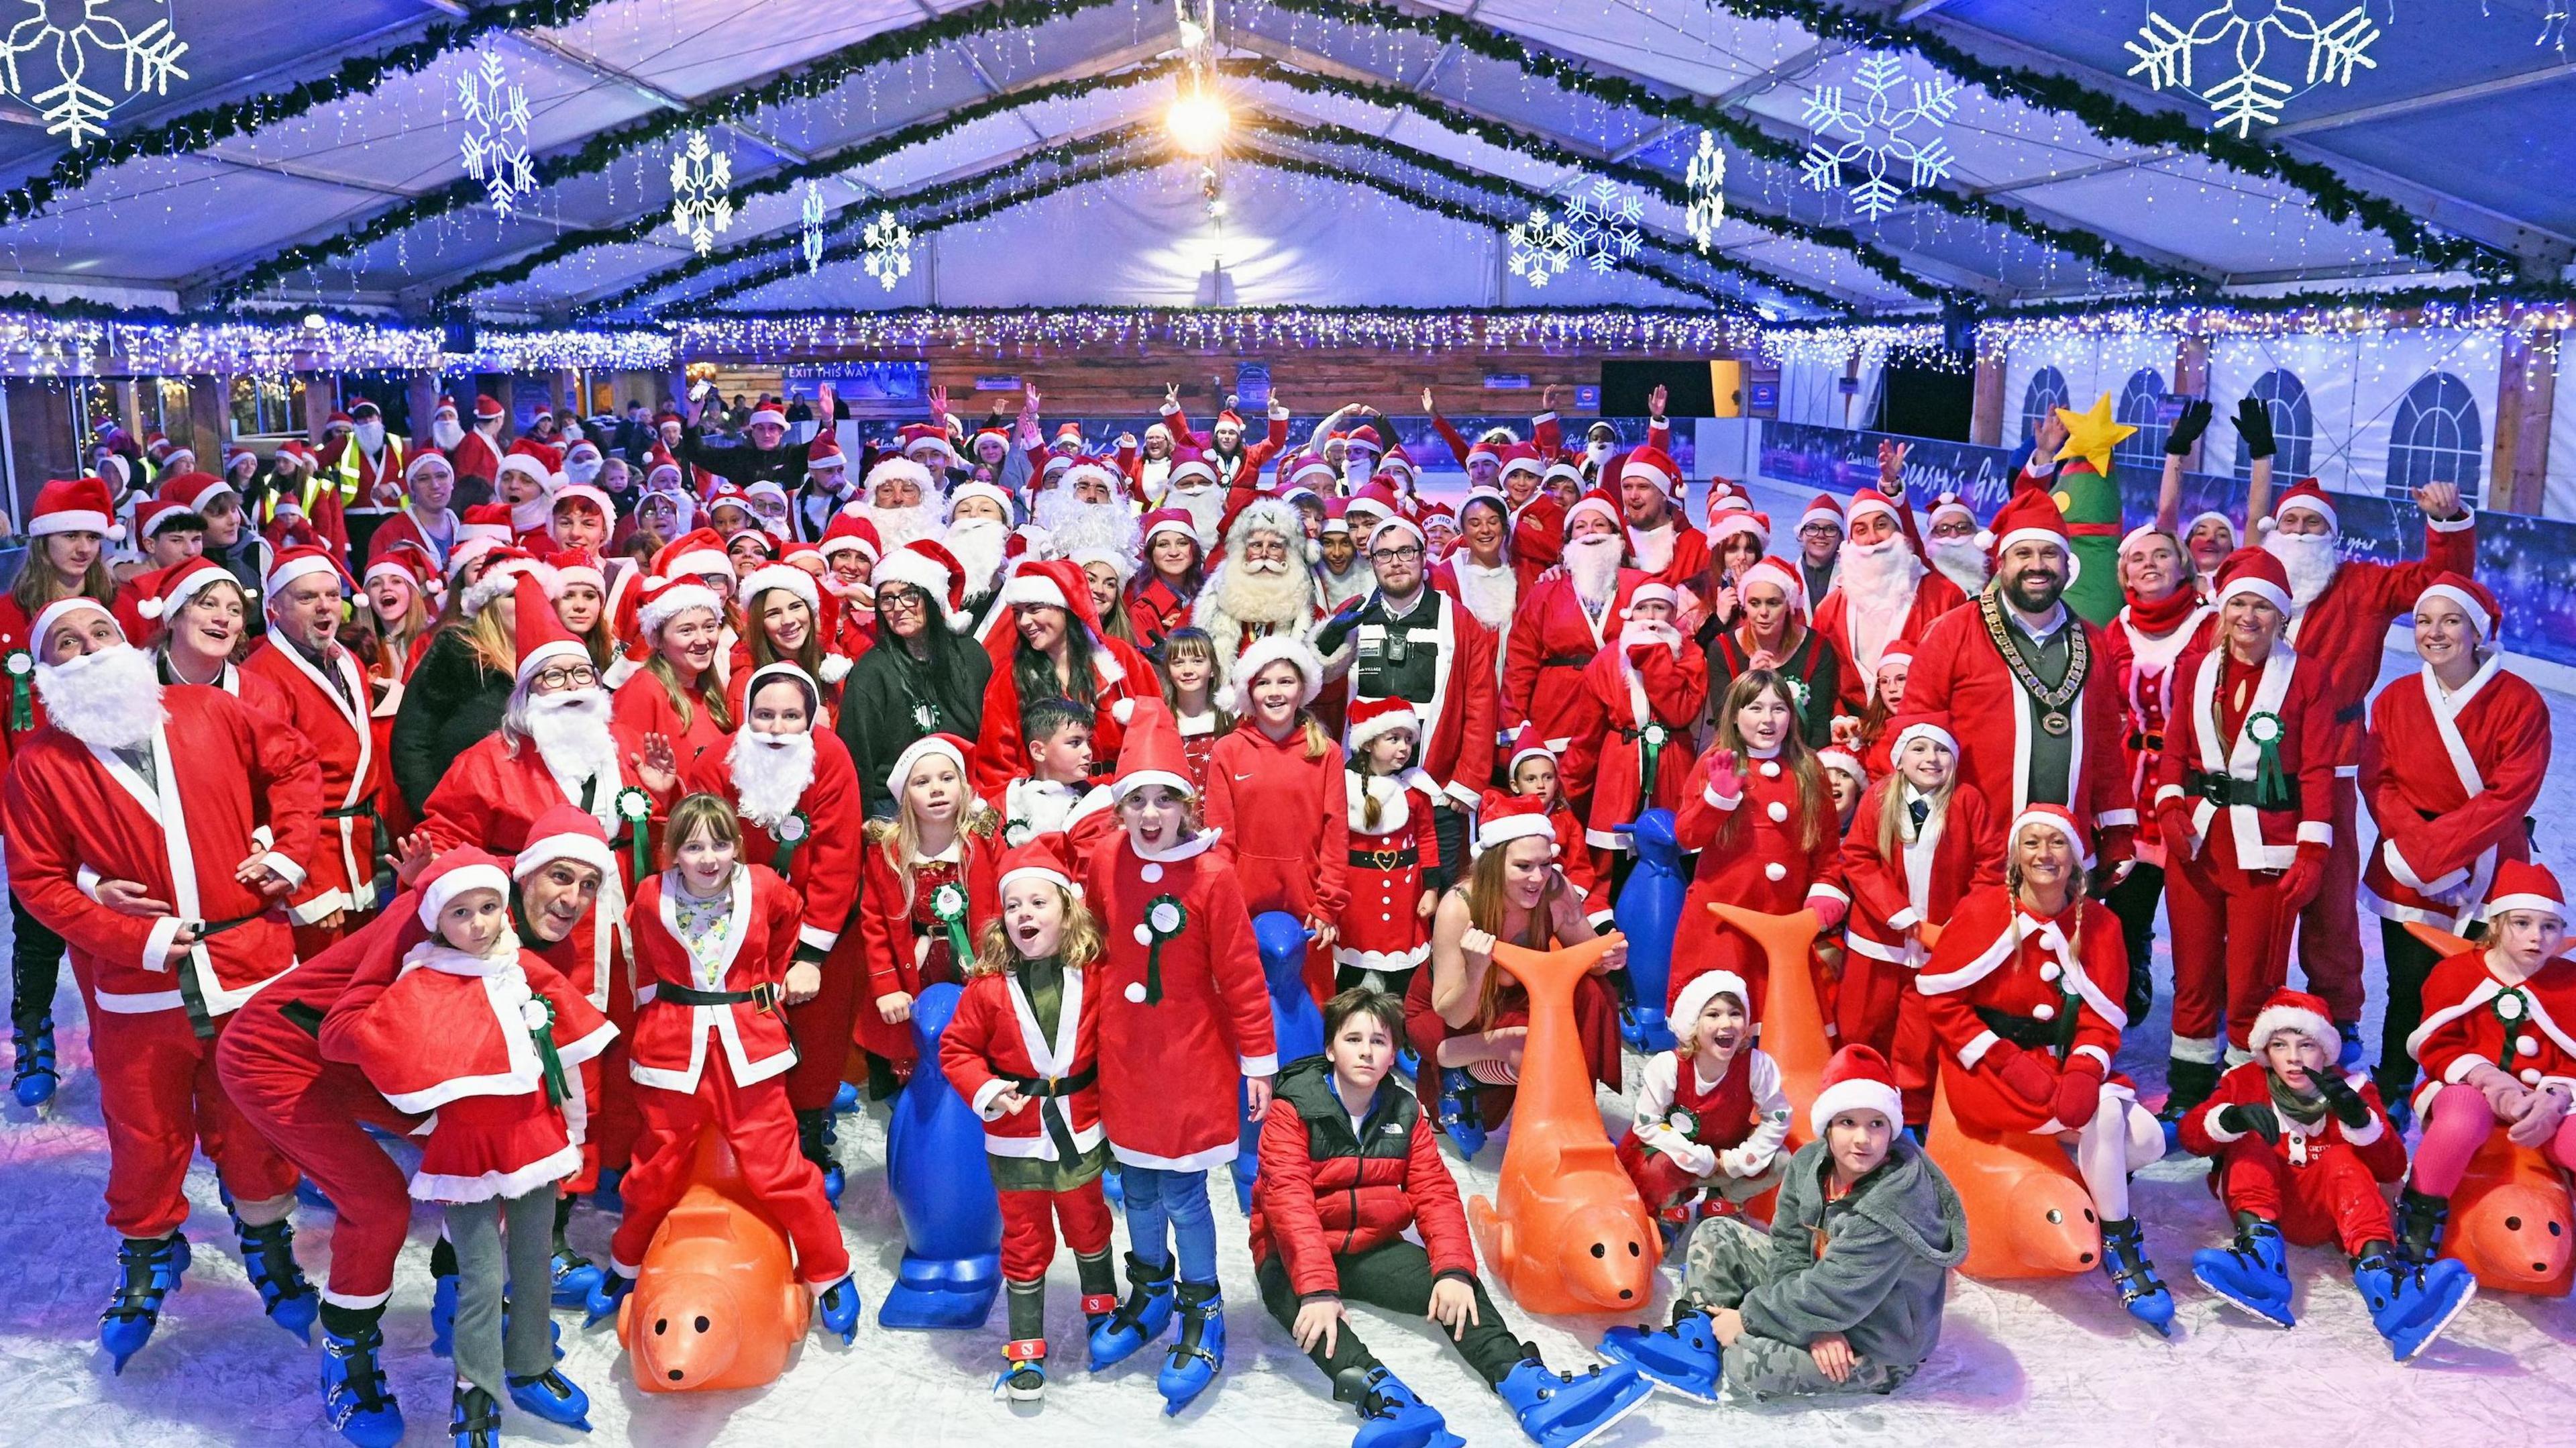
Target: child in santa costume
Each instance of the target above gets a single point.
(2498, 1048)
(1395, 872)
(479, 1035)
(1876, 738)
(714, 939)
(1710, 1116)
(1024, 1050)
(924, 892)
(2450, 770)
(1193, 679)
(678, 693)
(1058, 792)
(2164, 615)
(1762, 821)
(1280, 766)
(1846, 779)
(1920, 840)
(1532, 770)
(1184, 1028)
(2298, 1148)
(2245, 803)
(1630, 748)
(1045, 640)
(2023, 994)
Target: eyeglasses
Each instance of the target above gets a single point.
(1394, 555)
(1820, 531)
(901, 598)
(571, 676)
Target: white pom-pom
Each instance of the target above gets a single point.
(2043, 1012)
(1144, 936)
(1775, 871)
(1985, 538)
(2265, 525)
(1136, 993)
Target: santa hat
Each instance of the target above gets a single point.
(1781, 576)
(1870, 502)
(1502, 818)
(401, 561)
(62, 608)
(296, 563)
(565, 832)
(1519, 457)
(1525, 743)
(500, 575)
(1707, 986)
(542, 638)
(235, 455)
(927, 565)
(1371, 718)
(1170, 520)
(1745, 521)
(1040, 857)
(904, 469)
(1856, 1079)
(1935, 727)
(1337, 518)
(768, 412)
(1313, 468)
(1564, 470)
(488, 408)
(780, 575)
(533, 458)
(453, 874)
(978, 488)
(1400, 524)
(850, 533)
(1439, 510)
(1260, 654)
(591, 494)
(487, 522)
(659, 462)
(1599, 500)
(295, 454)
(1069, 434)
(1190, 463)
(1075, 470)
(1150, 754)
(363, 409)
(338, 418)
(2295, 1010)
(171, 590)
(2256, 572)
(698, 553)
(2030, 515)
(1655, 591)
(2305, 493)
(425, 458)
(1152, 430)
(2473, 599)
(2055, 817)
(1826, 510)
(729, 495)
(155, 514)
(75, 505)
(1656, 466)
(922, 437)
(667, 598)
(1834, 756)
(1365, 439)
(1058, 466)
(1950, 503)
(1399, 463)
(948, 746)
(446, 407)
(575, 565)
(1116, 560)
(824, 454)
(2518, 885)
(1486, 450)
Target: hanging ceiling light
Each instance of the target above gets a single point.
(1197, 123)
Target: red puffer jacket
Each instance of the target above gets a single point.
(1323, 1192)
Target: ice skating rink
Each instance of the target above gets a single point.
(2049, 1364)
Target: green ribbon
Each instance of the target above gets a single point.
(636, 808)
(543, 1033)
(2271, 785)
(1651, 738)
(1165, 919)
(789, 833)
(948, 907)
(2511, 1008)
(22, 706)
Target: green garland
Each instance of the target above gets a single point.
(357, 76)
(804, 83)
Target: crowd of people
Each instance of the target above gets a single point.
(558, 803)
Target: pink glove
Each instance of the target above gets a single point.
(1725, 777)
(1829, 909)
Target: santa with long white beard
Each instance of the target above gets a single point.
(444, 428)
(1262, 585)
(1083, 512)
(1565, 618)
(979, 538)
(1950, 538)
(2340, 610)
(902, 500)
(1883, 593)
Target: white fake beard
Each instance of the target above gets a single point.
(446, 433)
(770, 773)
(1961, 561)
(1258, 593)
(1491, 594)
(584, 470)
(1879, 578)
(1647, 631)
(2309, 558)
(533, 516)
(110, 699)
(977, 544)
(1075, 525)
(1595, 454)
(898, 526)
(570, 731)
(1206, 507)
(371, 437)
(1653, 546)
(1593, 565)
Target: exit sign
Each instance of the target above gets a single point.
(1507, 381)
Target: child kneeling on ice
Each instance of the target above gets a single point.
(1715, 1137)
(1844, 1294)
(2297, 1147)
(1348, 1161)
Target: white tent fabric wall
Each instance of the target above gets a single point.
(2560, 499)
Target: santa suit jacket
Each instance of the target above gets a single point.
(476, 456)
(1958, 848)
(642, 706)
(2287, 688)
(2376, 1142)
(2345, 628)
(1624, 691)
(1491, 594)
(1997, 956)
(886, 938)
(993, 1044)
(1684, 566)
(2141, 661)
(1298, 858)
(1169, 1072)
(341, 872)
(670, 1046)
(233, 789)
(1120, 676)
(1764, 866)
(2462, 1029)
(1458, 720)
(1241, 469)
(2449, 782)
(403, 529)
(1934, 595)
(1154, 608)
(1552, 641)
(1958, 672)
(824, 866)
(453, 1025)
(281, 1053)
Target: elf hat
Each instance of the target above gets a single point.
(1856, 1079)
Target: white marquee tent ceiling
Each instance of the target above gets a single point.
(1375, 158)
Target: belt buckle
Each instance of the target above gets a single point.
(764, 997)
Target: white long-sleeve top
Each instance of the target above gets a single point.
(1659, 1089)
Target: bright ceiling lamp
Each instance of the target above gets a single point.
(1197, 123)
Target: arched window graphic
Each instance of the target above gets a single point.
(2047, 391)
(2294, 428)
(2141, 404)
(2436, 438)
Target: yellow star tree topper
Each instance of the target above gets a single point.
(2092, 433)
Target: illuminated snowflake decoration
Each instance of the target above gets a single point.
(701, 177)
(2553, 23)
(50, 58)
(813, 238)
(1857, 139)
(889, 249)
(495, 142)
(1541, 247)
(2243, 34)
(1706, 178)
(1602, 220)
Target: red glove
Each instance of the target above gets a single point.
(2119, 845)
(2024, 1077)
(2079, 1092)
(2305, 877)
(1725, 778)
(2173, 817)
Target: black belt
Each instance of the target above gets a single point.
(1565, 661)
(1385, 859)
(2147, 741)
(2349, 713)
(1049, 1091)
(382, 846)
(2225, 790)
(764, 996)
(2028, 1032)
(192, 994)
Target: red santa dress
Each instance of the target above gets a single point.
(1957, 846)
(905, 939)
(2006, 984)
(1381, 927)
(993, 1044)
(1753, 853)
(1641, 696)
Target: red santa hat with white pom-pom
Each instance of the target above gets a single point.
(2295, 1010)
(1856, 1079)
(2305, 493)
(454, 873)
(1502, 818)
(1038, 858)
(75, 505)
(1260, 654)
(2522, 885)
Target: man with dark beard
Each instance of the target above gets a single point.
(1661, 542)
(1951, 540)
(2028, 690)
(181, 792)
(2340, 610)
(1564, 619)
(1261, 586)
(1884, 595)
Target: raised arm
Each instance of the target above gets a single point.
(2186, 434)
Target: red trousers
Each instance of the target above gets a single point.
(158, 1090)
(2330, 928)
(1660, 1180)
(314, 1114)
(2231, 951)
(613, 1122)
(822, 1027)
(2330, 1197)
(757, 1123)
(1029, 1220)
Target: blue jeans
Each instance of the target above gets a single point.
(1155, 1197)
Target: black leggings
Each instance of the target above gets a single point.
(2409, 962)
(35, 967)
(1398, 1278)
(2133, 900)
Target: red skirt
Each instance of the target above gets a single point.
(482, 1147)
(1381, 927)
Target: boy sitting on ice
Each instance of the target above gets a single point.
(1844, 1294)
(1057, 734)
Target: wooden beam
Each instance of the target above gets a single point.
(2526, 396)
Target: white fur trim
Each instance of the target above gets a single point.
(2469, 605)
(2262, 588)
(674, 601)
(913, 754)
(580, 849)
(1260, 654)
(2274, 1019)
(1496, 833)
(1031, 588)
(782, 575)
(1855, 1094)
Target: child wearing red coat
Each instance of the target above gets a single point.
(1281, 767)
(1184, 1027)
(2299, 1148)
(1710, 1117)
(927, 889)
(1532, 770)
(1024, 1050)
(1631, 745)
(714, 938)
(1395, 867)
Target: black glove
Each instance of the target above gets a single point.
(2344, 1102)
(2254, 424)
(2188, 428)
(2258, 1119)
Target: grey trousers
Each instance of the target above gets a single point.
(482, 1233)
(1724, 1263)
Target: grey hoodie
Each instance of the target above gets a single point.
(1885, 1272)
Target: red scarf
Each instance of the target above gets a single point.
(2165, 614)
